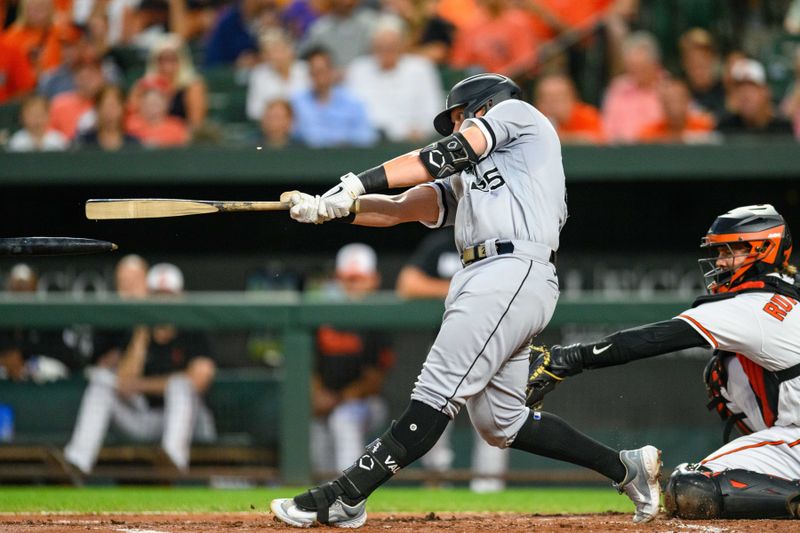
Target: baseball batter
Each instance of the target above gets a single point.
(751, 320)
(496, 177)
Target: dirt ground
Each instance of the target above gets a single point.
(380, 522)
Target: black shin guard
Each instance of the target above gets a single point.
(695, 492)
(406, 440)
(548, 435)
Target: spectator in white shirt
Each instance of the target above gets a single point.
(278, 76)
(35, 135)
(402, 92)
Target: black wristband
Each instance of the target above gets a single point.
(374, 179)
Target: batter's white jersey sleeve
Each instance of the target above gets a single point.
(447, 200)
(504, 123)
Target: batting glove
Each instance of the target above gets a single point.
(305, 208)
(338, 201)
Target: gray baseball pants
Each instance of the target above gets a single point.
(480, 357)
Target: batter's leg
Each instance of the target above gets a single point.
(343, 501)
(483, 326)
(634, 472)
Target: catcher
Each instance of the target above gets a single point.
(750, 320)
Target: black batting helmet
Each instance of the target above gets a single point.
(767, 240)
(475, 92)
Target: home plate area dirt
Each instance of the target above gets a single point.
(383, 522)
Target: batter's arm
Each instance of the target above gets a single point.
(441, 159)
(418, 204)
(407, 170)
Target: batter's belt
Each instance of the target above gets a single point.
(493, 247)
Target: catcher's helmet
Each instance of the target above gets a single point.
(762, 229)
(474, 93)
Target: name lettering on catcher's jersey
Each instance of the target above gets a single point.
(779, 306)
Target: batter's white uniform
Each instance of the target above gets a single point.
(495, 306)
(762, 329)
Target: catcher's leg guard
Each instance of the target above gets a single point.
(695, 492)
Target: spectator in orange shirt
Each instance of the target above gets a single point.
(681, 123)
(553, 17)
(632, 101)
(35, 33)
(460, 13)
(152, 124)
(169, 60)
(575, 121)
(72, 112)
(16, 76)
(499, 39)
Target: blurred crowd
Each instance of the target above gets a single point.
(113, 74)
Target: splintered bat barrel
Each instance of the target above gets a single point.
(53, 246)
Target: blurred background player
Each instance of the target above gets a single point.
(28, 353)
(349, 371)
(427, 275)
(156, 389)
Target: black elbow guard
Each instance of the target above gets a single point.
(448, 155)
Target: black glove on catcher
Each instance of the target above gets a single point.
(547, 368)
